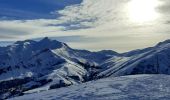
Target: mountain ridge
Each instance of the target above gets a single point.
(50, 64)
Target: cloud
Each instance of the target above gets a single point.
(88, 24)
(164, 10)
(164, 7)
(92, 13)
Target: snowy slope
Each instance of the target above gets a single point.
(46, 64)
(137, 87)
(32, 66)
(153, 60)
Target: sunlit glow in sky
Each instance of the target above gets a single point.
(141, 11)
(119, 25)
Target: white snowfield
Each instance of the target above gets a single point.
(134, 87)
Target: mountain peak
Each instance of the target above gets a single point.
(23, 42)
(164, 42)
(46, 39)
(46, 42)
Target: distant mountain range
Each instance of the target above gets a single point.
(34, 66)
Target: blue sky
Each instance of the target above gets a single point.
(33, 9)
(120, 25)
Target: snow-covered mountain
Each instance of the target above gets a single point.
(46, 63)
(34, 66)
(152, 60)
(133, 87)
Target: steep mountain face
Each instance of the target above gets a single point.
(35, 66)
(153, 60)
(46, 64)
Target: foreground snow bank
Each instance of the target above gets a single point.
(134, 87)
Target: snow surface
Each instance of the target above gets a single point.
(48, 64)
(35, 66)
(152, 60)
(134, 87)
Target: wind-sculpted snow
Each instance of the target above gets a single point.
(137, 87)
